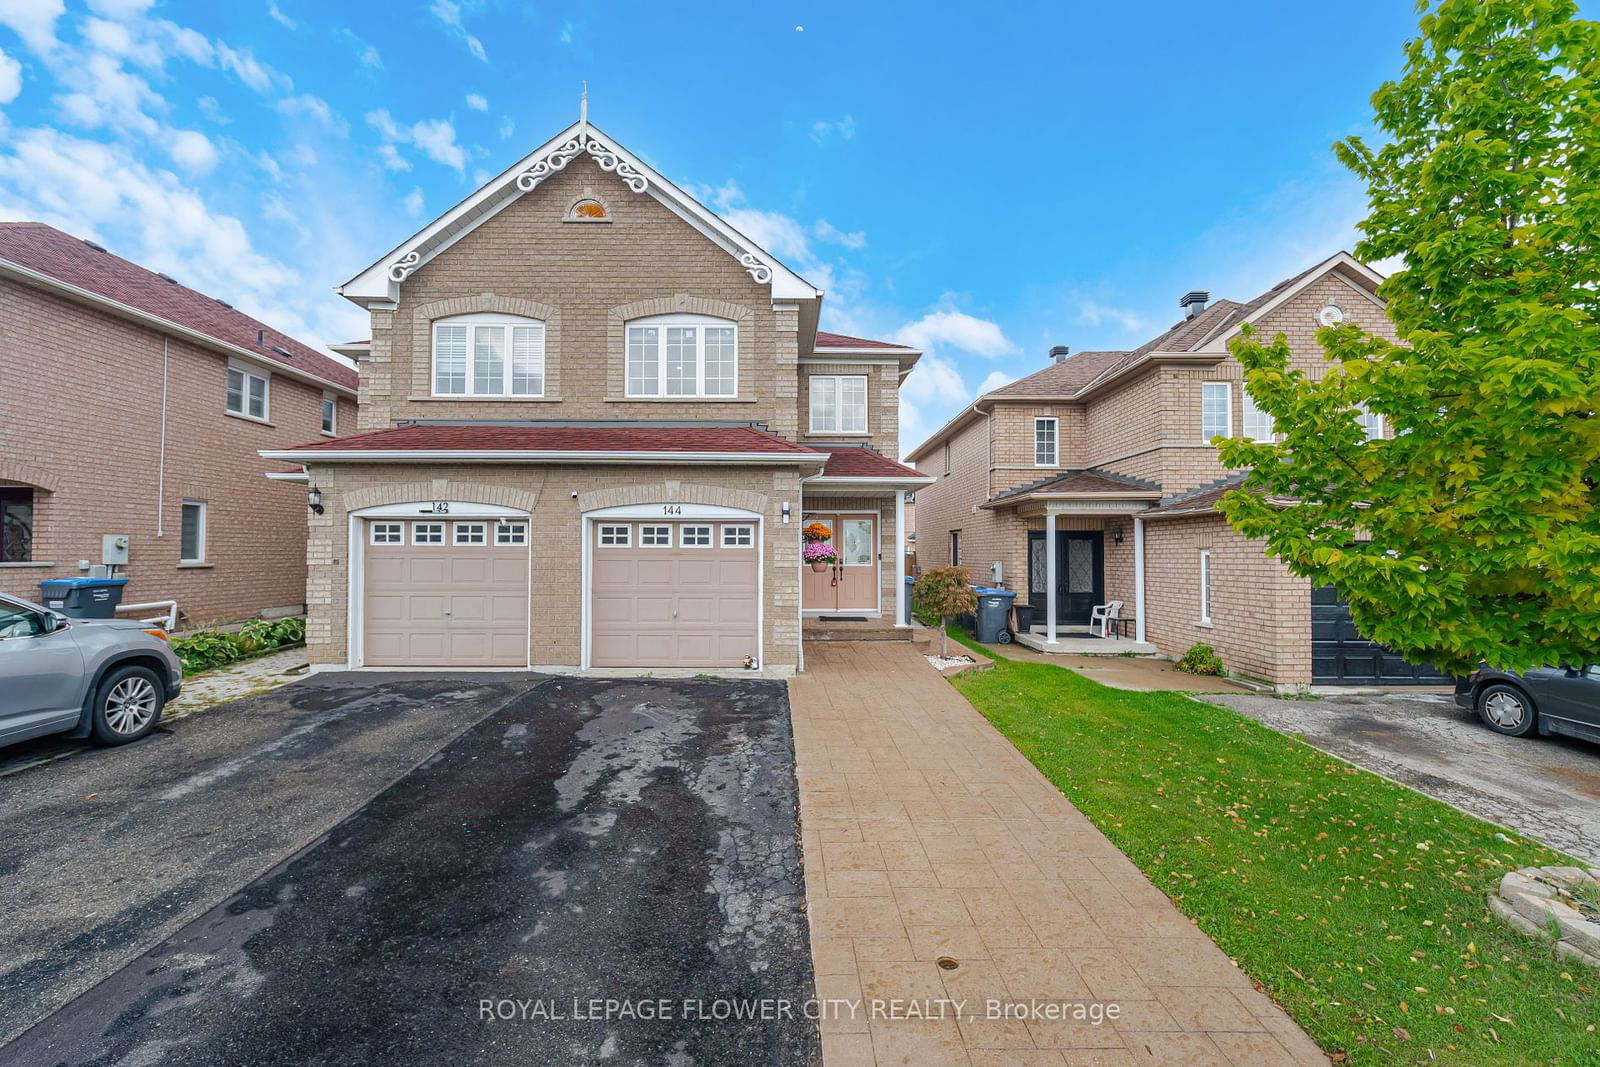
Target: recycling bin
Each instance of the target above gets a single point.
(994, 616)
(911, 586)
(83, 598)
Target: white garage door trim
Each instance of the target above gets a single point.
(355, 608)
(673, 512)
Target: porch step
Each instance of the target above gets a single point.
(845, 631)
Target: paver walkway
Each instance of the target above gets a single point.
(927, 835)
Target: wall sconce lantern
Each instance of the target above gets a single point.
(786, 511)
(314, 500)
(1116, 535)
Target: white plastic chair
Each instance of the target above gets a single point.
(1102, 616)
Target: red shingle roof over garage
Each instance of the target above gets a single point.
(854, 461)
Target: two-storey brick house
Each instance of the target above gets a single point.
(596, 418)
(1107, 457)
(132, 405)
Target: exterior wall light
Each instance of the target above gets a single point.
(314, 500)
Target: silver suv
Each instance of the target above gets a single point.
(101, 678)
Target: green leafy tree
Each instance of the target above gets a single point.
(944, 592)
(1471, 532)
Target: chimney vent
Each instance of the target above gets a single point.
(1193, 302)
(1059, 354)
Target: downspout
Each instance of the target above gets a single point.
(800, 580)
(1138, 579)
(161, 469)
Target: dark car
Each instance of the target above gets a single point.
(1551, 700)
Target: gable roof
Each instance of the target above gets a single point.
(1084, 480)
(381, 281)
(1064, 378)
(42, 255)
(859, 461)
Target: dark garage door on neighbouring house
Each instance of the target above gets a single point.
(1341, 656)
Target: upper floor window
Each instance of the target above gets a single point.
(1371, 423)
(488, 355)
(682, 355)
(1216, 413)
(1046, 450)
(16, 524)
(247, 393)
(838, 404)
(330, 413)
(1258, 424)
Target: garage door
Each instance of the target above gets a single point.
(446, 593)
(1341, 656)
(673, 594)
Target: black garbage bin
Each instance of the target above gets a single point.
(83, 598)
(994, 616)
(1024, 617)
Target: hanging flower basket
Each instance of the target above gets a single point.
(820, 555)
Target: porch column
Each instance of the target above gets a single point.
(1138, 578)
(900, 559)
(1049, 575)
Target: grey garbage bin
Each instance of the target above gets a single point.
(994, 616)
(911, 587)
(83, 598)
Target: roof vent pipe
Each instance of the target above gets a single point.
(1059, 354)
(1193, 302)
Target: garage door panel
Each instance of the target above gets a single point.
(697, 572)
(656, 570)
(656, 648)
(429, 570)
(1339, 654)
(474, 609)
(649, 609)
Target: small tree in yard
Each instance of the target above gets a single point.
(943, 591)
(1471, 534)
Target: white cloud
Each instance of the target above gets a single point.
(507, 128)
(391, 158)
(212, 109)
(957, 329)
(476, 102)
(413, 202)
(565, 36)
(192, 151)
(823, 129)
(34, 21)
(435, 137)
(366, 54)
(1097, 314)
(10, 78)
(276, 14)
(250, 70)
(931, 393)
(826, 231)
(779, 234)
(449, 13)
(994, 380)
(313, 107)
(120, 9)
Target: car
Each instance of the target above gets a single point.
(1551, 700)
(106, 679)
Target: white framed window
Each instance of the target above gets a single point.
(1216, 410)
(427, 533)
(471, 533)
(488, 355)
(947, 459)
(1205, 586)
(511, 533)
(1046, 446)
(694, 536)
(1258, 424)
(616, 536)
(1371, 422)
(682, 355)
(192, 532)
(330, 414)
(738, 536)
(655, 537)
(247, 393)
(955, 548)
(388, 533)
(838, 403)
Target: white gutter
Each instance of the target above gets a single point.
(462, 455)
(288, 476)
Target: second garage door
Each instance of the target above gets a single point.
(674, 594)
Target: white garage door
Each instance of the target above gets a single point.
(673, 594)
(447, 593)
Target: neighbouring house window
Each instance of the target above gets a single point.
(838, 404)
(16, 524)
(1205, 585)
(1257, 423)
(738, 536)
(427, 533)
(1216, 415)
(947, 459)
(682, 355)
(192, 532)
(694, 537)
(655, 536)
(616, 536)
(511, 533)
(488, 355)
(955, 548)
(1045, 450)
(1371, 423)
(330, 413)
(471, 533)
(247, 393)
(388, 533)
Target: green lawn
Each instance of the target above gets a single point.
(1358, 904)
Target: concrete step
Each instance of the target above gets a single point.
(853, 632)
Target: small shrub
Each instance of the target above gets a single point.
(205, 650)
(943, 592)
(1201, 659)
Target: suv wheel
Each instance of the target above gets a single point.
(127, 705)
(1508, 710)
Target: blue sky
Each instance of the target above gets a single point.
(981, 180)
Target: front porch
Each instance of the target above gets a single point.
(1079, 641)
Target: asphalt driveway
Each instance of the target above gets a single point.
(1545, 787)
(437, 850)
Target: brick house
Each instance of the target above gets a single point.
(594, 420)
(142, 411)
(1106, 455)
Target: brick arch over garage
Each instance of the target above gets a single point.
(674, 492)
(373, 496)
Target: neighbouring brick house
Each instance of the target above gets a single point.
(595, 418)
(134, 405)
(1108, 456)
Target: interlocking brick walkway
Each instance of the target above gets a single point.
(926, 834)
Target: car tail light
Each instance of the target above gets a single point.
(158, 633)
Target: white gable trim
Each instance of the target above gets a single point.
(1219, 343)
(381, 281)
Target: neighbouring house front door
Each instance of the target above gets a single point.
(1080, 574)
(851, 584)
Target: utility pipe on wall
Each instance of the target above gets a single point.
(161, 469)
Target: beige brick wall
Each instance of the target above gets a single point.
(102, 459)
(883, 406)
(1012, 427)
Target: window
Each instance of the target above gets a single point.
(19, 621)
(511, 533)
(247, 393)
(616, 536)
(1216, 416)
(655, 537)
(192, 532)
(694, 536)
(471, 533)
(16, 524)
(955, 548)
(947, 459)
(1045, 451)
(1257, 423)
(388, 533)
(427, 533)
(838, 404)
(488, 355)
(1371, 423)
(330, 412)
(1205, 586)
(738, 536)
(682, 355)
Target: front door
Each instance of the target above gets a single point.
(1080, 574)
(851, 583)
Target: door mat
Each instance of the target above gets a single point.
(842, 618)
